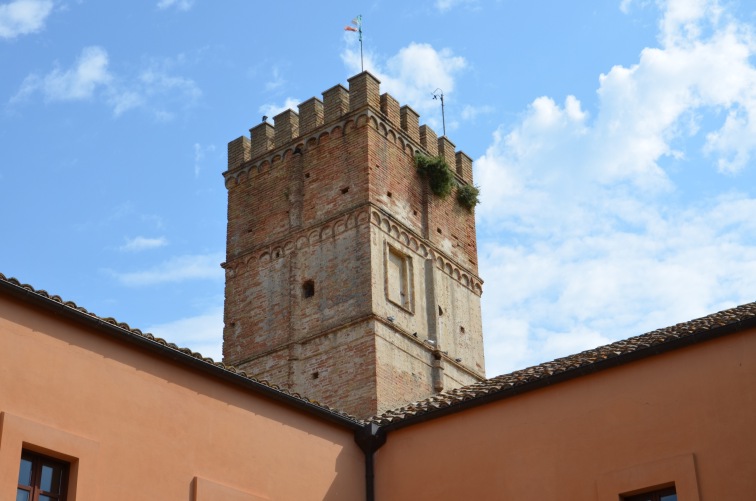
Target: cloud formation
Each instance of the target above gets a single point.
(446, 5)
(176, 269)
(583, 229)
(182, 5)
(270, 110)
(155, 87)
(140, 243)
(412, 74)
(22, 17)
(202, 333)
(88, 74)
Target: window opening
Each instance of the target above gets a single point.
(41, 478)
(308, 288)
(668, 494)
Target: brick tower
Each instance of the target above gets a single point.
(347, 280)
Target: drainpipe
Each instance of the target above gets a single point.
(370, 438)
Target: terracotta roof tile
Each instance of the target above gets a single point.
(147, 337)
(586, 361)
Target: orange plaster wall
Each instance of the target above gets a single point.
(687, 416)
(139, 427)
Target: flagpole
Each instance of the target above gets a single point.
(357, 21)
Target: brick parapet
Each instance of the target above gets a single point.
(339, 106)
(364, 90)
(390, 109)
(409, 121)
(262, 139)
(446, 151)
(335, 103)
(464, 167)
(310, 115)
(239, 152)
(429, 140)
(286, 127)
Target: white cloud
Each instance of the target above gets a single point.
(22, 17)
(276, 80)
(155, 88)
(177, 269)
(270, 110)
(470, 112)
(178, 4)
(140, 243)
(81, 81)
(446, 5)
(202, 333)
(199, 156)
(599, 241)
(412, 75)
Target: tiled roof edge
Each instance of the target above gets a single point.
(229, 372)
(617, 353)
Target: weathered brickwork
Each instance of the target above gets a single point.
(317, 204)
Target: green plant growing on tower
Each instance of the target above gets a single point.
(468, 196)
(436, 170)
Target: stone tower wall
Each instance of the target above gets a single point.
(319, 204)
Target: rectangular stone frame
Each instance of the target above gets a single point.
(407, 272)
(17, 433)
(678, 470)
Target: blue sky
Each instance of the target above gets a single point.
(614, 143)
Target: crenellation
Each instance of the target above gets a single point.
(335, 103)
(429, 140)
(286, 128)
(364, 90)
(239, 152)
(310, 115)
(390, 108)
(446, 150)
(262, 139)
(464, 167)
(409, 121)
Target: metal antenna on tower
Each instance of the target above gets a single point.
(439, 94)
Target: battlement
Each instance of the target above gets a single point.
(292, 130)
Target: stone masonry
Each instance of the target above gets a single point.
(347, 280)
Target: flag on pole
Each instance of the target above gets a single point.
(356, 26)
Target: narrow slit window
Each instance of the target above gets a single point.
(308, 288)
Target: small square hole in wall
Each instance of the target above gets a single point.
(438, 230)
(307, 175)
(315, 375)
(461, 329)
(308, 288)
(388, 194)
(344, 190)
